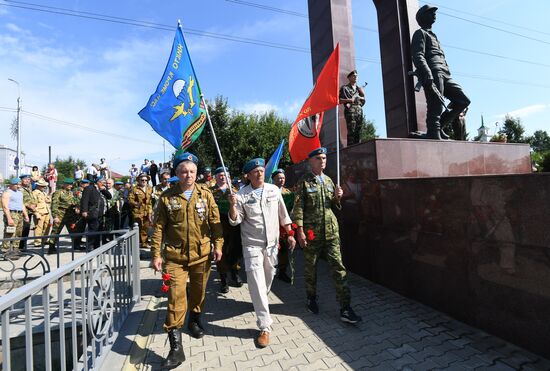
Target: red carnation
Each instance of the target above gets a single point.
(294, 225)
(166, 277)
(310, 235)
(73, 226)
(164, 287)
(291, 233)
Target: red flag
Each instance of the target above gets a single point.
(304, 134)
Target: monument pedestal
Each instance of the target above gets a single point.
(459, 226)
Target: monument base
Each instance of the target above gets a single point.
(459, 226)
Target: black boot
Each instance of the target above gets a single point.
(434, 133)
(312, 304)
(236, 278)
(175, 356)
(224, 287)
(195, 325)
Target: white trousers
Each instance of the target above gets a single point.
(260, 271)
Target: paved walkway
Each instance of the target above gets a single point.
(396, 333)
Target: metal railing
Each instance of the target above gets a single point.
(70, 317)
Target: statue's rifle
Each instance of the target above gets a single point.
(418, 86)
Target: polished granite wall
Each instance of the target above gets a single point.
(474, 246)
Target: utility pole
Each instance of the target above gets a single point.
(18, 158)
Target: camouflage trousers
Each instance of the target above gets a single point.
(68, 220)
(354, 122)
(18, 221)
(179, 298)
(328, 250)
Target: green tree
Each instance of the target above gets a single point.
(540, 141)
(513, 129)
(65, 167)
(545, 164)
(369, 131)
(240, 136)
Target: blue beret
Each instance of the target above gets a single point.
(100, 178)
(24, 176)
(119, 182)
(14, 181)
(84, 181)
(207, 170)
(252, 164)
(173, 179)
(221, 169)
(278, 171)
(318, 151)
(187, 156)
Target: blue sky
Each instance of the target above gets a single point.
(100, 74)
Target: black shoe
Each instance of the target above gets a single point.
(237, 282)
(175, 356)
(348, 315)
(195, 325)
(224, 287)
(312, 305)
(52, 250)
(284, 277)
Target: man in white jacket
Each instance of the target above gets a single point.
(260, 210)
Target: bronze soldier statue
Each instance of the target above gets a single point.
(353, 99)
(434, 75)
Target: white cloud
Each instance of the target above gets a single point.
(525, 111)
(101, 90)
(259, 107)
(13, 27)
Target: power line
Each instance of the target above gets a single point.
(488, 18)
(128, 21)
(496, 28)
(82, 127)
(497, 56)
(288, 12)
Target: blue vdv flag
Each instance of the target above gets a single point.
(175, 110)
(273, 162)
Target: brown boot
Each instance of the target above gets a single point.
(263, 339)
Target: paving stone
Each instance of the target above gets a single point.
(287, 364)
(397, 333)
(399, 352)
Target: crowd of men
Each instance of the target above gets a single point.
(187, 220)
(198, 221)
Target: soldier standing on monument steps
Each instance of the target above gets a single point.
(353, 99)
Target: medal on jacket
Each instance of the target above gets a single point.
(201, 208)
(173, 204)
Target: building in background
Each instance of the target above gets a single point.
(7, 164)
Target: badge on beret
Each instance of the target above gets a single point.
(190, 158)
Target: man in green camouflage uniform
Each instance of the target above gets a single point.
(353, 99)
(316, 196)
(65, 213)
(30, 204)
(232, 248)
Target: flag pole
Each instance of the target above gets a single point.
(210, 123)
(337, 148)
(230, 186)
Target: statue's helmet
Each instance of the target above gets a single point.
(424, 9)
